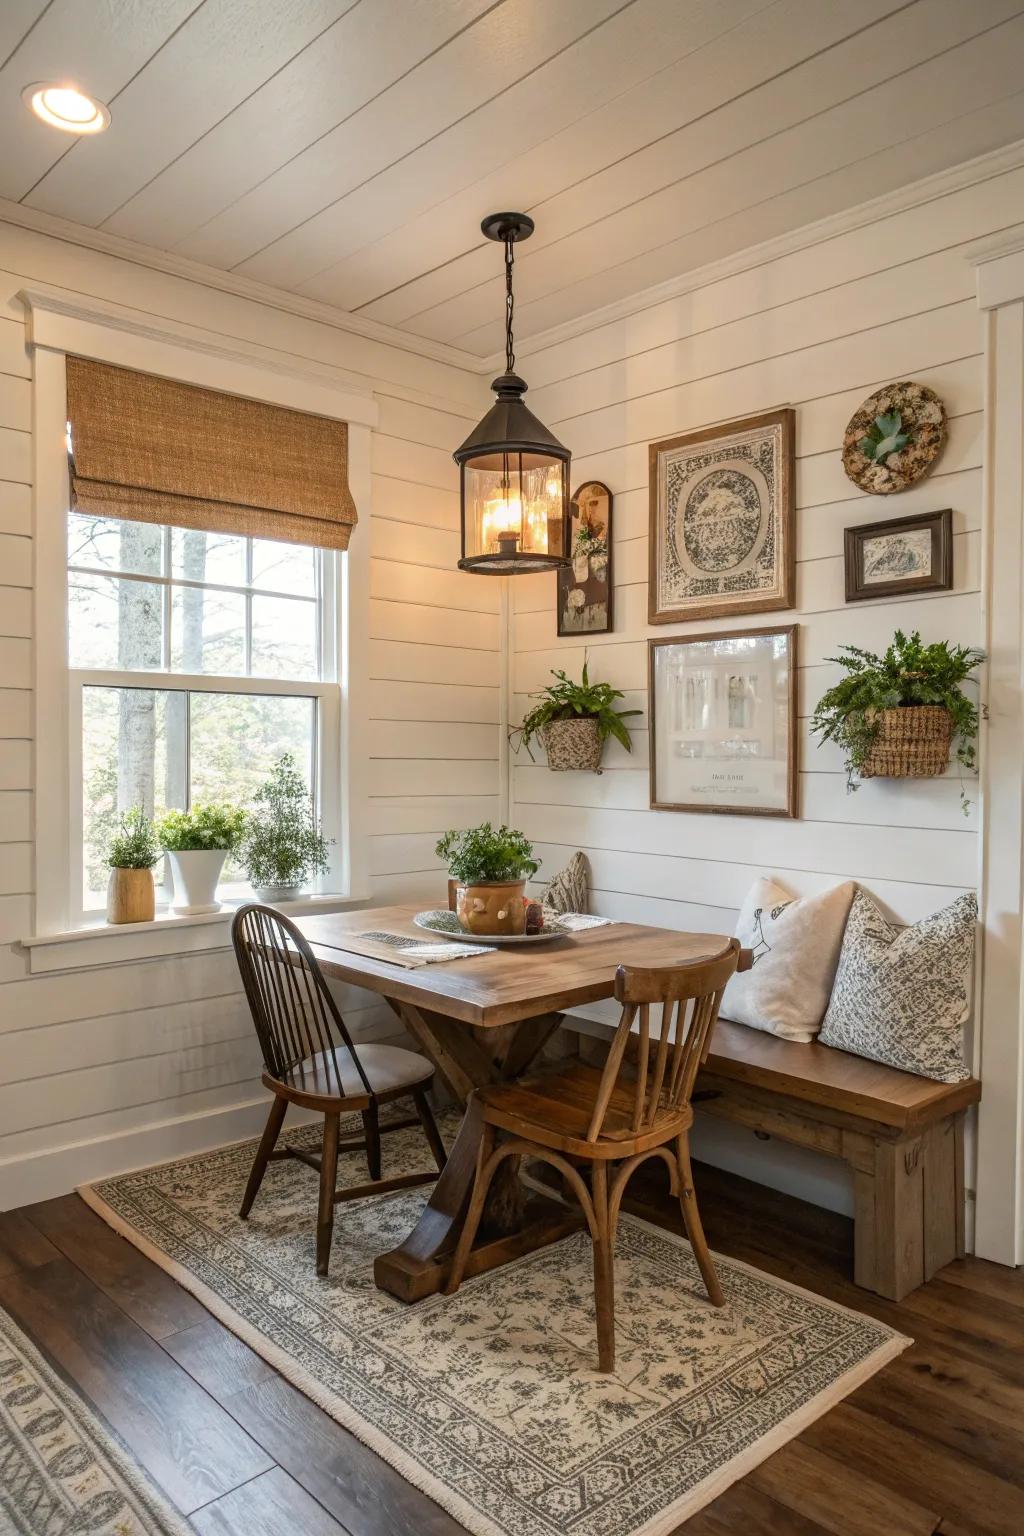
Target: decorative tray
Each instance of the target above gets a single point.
(440, 920)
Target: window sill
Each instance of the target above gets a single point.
(102, 943)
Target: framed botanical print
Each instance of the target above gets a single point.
(722, 521)
(723, 722)
(585, 587)
(903, 554)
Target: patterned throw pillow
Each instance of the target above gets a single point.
(901, 994)
(569, 891)
(796, 943)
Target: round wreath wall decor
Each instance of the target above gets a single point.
(894, 438)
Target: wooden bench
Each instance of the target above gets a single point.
(901, 1135)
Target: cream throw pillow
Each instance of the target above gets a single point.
(796, 943)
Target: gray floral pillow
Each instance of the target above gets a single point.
(901, 994)
(569, 891)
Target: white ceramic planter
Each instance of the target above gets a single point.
(195, 874)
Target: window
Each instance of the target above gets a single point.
(196, 659)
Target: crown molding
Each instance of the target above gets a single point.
(229, 282)
(59, 321)
(970, 172)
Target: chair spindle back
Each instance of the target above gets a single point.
(665, 1075)
(291, 1005)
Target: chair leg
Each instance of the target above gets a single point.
(328, 1181)
(371, 1130)
(477, 1199)
(694, 1226)
(604, 1271)
(268, 1141)
(430, 1129)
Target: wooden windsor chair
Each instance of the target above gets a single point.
(294, 1011)
(603, 1118)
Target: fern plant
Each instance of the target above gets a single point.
(565, 700)
(908, 675)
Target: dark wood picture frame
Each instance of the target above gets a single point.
(744, 603)
(566, 578)
(791, 810)
(938, 579)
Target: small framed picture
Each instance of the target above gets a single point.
(585, 587)
(722, 520)
(723, 722)
(904, 554)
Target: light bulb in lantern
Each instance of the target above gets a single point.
(501, 522)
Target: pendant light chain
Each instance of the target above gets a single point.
(510, 304)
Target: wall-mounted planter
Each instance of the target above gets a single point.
(573, 744)
(912, 743)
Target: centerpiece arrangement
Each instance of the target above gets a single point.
(134, 850)
(895, 716)
(197, 842)
(490, 867)
(574, 720)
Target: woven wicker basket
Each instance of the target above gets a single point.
(912, 743)
(573, 744)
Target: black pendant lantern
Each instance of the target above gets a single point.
(513, 473)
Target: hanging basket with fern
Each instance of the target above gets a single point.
(574, 720)
(896, 716)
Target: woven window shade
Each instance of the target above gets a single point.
(156, 451)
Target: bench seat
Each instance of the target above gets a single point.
(901, 1135)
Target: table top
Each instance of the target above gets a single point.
(505, 985)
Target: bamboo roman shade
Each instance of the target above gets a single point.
(156, 451)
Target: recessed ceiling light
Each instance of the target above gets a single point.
(66, 107)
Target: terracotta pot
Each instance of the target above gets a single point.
(131, 896)
(492, 906)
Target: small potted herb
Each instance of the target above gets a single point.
(574, 720)
(283, 846)
(197, 842)
(895, 716)
(490, 867)
(131, 894)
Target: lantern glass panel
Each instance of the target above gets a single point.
(514, 504)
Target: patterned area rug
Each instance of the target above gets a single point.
(489, 1401)
(61, 1472)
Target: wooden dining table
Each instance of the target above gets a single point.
(480, 1021)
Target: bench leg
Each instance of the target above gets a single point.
(908, 1207)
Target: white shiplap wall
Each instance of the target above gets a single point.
(121, 1065)
(817, 329)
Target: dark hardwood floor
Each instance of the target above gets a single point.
(934, 1444)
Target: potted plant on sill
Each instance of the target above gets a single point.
(134, 850)
(283, 846)
(574, 720)
(197, 842)
(895, 716)
(490, 867)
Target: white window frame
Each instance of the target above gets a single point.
(59, 324)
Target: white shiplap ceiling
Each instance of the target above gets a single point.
(345, 150)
